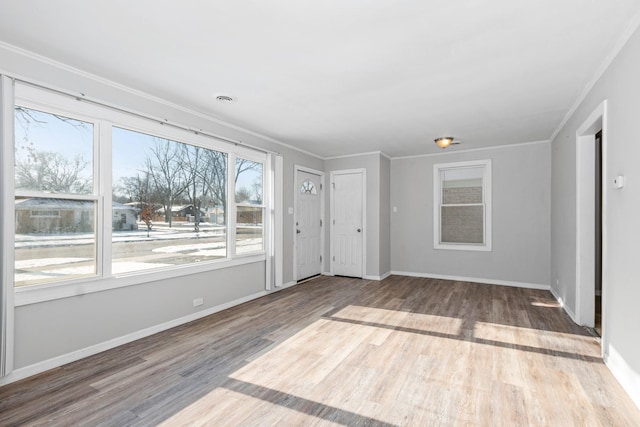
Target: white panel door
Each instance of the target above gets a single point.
(308, 225)
(347, 222)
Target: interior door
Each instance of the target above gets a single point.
(308, 225)
(347, 222)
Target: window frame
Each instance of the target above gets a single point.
(104, 118)
(48, 107)
(438, 169)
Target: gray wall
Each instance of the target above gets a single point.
(376, 222)
(385, 216)
(521, 207)
(55, 328)
(620, 86)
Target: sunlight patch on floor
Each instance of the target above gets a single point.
(399, 318)
(536, 339)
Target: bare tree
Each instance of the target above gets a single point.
(146, 216)
(43, 170)
(214, 176)
(243, 165)
(164, 165)
(243, 194)
(47, 171)
(257, 190)
(193, 169)
(140, 189)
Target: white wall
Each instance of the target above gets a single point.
(58, 331)
(620, 86)
(521, 206)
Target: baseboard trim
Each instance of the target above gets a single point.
(382, 277)
(475, 280)
(564, 306)
(627, 377)
(287, 285)
(58, 361)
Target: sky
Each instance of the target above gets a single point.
(44, 132)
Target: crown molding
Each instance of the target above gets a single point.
(471, 150)
(136, 92)
(368, 153)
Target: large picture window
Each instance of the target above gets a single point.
(462, 205)
(169, 202)
(106, 199)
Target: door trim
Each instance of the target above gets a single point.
(332, 174)
(585, 219)
(296, 187)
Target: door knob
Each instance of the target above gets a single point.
(298, 231)
(359, 230)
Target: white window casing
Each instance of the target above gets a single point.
(462, 206)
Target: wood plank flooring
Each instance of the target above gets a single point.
(339, 351)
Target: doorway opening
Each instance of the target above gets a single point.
(591, 223)
(598, 235)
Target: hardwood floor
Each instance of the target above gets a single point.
(338, 351)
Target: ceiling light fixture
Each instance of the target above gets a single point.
(225, 99)
(444, 141)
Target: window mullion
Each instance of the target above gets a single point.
(231, 206)
(103, 173)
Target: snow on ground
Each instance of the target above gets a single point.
(67, 273)
(160, 231)
(218, 250)
(212, 249)
(43, 262)
(129, 266)
(189, 248)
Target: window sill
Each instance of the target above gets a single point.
(34, 294)
(463, 247)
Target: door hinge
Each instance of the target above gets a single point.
(334, 222)
(334, 258)
(320, 223)
(320, 186)
(320, 258)
(334, 185)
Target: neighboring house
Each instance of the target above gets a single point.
(124, 217)
(216, 215)
(48, 216)
(249, 215)
(180, 213)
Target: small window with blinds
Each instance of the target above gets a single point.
(462, 205)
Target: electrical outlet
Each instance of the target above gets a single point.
(198, 301)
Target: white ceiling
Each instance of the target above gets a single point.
(338, 77)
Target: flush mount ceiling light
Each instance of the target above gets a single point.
(445, 141)
(225, 99)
